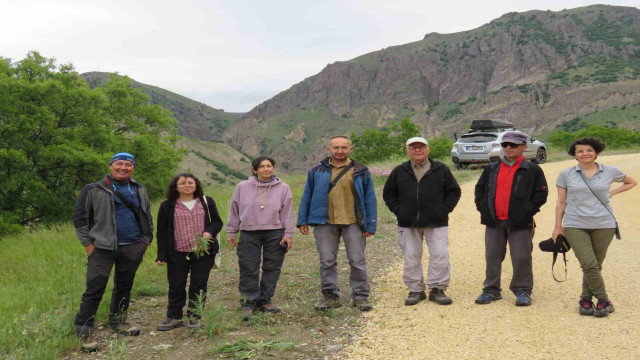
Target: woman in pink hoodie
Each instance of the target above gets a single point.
(261, 209)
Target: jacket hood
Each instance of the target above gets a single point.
(253, 180)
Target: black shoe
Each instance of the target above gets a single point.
(586, 307)
(438, 296)
(269, 308)
(169, 324)
(85, 333)
(247, 312)
(415, 297)
(487, 298)
(523, 298)
(603, 308)
(330, 301)
(361, 304)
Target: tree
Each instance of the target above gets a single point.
(57, 134)
(380, 144)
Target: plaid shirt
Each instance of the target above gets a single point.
(186, 224)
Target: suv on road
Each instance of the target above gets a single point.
(481, 144)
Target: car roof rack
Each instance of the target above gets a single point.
(490, 125)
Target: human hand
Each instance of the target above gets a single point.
(232, 241)
(366, 234)
(89, 249)
(160, 263)
(287, 241)
(557, 231)
(206, 235)
(304, 229)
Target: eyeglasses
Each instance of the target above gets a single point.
(511, 145)
(414, 148)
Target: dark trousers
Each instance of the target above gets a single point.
(126, 259)
(177, 273)
(253, 247)
(520, 248)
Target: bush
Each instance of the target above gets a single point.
(378, 144)
(614, 138)
(440, 147)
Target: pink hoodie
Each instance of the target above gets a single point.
(261, 206)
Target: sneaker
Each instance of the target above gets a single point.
(487, 298)
(586, 307)
(169, 323)
(438, 296)
(603, 308)
(89, 344)
(361, 304)
(415, 297)
(330, 301)
(194, 324)
(523, 298)
(120, 325)
(269, 308)
(247, 312)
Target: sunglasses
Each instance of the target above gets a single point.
(511, 145)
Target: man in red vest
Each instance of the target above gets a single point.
(507, 195)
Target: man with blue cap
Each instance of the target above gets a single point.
(113, 222)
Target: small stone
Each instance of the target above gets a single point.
(162, 347)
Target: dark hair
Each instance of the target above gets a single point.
(172, 190)
(255, 163)
(594, 142)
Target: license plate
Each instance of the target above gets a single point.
(474, 148)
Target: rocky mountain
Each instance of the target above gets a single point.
(536, 69)
(195, 119)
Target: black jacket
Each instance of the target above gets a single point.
(528, 193)
(166, 240)
(424, 204)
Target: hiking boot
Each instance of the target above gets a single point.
(361, 304)
(603, 308)
(487, 298)
(194, 324)
(119, 324)
(269, 308)
(438, 296)
(247, 312)
(169, 324)
(415, 297)
(586, 307)
(89, 344)
(330, 301)
(523, 298)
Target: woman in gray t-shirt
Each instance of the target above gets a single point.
(585, 218)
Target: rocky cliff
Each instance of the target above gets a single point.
(535, 69)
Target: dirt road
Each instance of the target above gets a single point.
(550, 328)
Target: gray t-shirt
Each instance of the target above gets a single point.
(583, 210)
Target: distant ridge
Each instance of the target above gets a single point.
(195, 120)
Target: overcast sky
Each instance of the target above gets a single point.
(234, 54)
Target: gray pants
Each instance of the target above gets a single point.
(520, 248)
(254, 246)
(327, 240)
(439, 273)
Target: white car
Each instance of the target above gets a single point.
(482, 144)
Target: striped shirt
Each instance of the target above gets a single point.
(186, 225)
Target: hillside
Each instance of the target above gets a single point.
(214, 163)
(195, 120)
(537, 69)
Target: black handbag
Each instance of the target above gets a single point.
(561, 245)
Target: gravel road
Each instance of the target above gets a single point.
(548, 329)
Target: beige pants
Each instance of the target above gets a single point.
(439, 272)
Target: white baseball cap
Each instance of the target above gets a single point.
(417, 139)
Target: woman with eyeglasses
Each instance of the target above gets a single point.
(261, 210)
(585, 217)
(186, 214)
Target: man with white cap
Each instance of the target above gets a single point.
(421, 193)
(507, 195)
(113, 222)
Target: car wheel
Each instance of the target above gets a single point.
(461, 166)
(541, 156)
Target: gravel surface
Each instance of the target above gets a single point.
(550, 328)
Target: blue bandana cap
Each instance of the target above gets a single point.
(123, 156)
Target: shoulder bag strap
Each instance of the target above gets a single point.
(335, 181)
(208, 211)
(601, 202)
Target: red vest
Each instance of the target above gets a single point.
(503, 188)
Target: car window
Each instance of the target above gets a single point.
(477, 138)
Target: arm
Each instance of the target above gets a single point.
(305, 202)
(81, 219)
(479, 194)
(390, 192)
(561, 204)
(540, 191)
(286, 214)
(452, 191)
(233, 222)
(627, 184)
(216, 222)
(371, 206)
(162, 233)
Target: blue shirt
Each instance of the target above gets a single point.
(127, 226)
